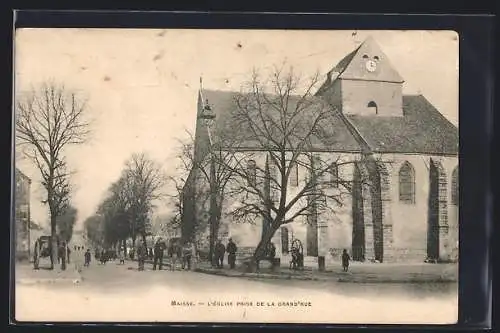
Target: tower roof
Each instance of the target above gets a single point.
(353, 66)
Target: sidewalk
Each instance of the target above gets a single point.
(25, 274)
(358, 273)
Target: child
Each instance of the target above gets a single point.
(345, 260)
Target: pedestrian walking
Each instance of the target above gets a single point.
(345, 260)
(231, 249)
(158, 254)
(220, 249)
(88, 257)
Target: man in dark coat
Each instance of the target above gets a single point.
(87, 258)
(158, 254)
(220, 249)
(231, 249)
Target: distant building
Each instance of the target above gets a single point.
(411, 213)
(22, 215)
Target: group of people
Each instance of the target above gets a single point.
(177, 252)
(220, 250)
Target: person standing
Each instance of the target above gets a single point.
(158, 254)
(88, 257)
(231, 249)
(220, 249)
(345, 260)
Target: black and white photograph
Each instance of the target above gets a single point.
(236, 176)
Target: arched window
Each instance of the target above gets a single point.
(454, 187)
(252, 172)
(407, 184)
(372, 106)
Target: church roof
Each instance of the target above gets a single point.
(422, 129)
(224, 103)
(352, 66)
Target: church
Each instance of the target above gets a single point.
(412, 216)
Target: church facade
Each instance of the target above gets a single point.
(412, 212)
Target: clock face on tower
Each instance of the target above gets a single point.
(371, 66)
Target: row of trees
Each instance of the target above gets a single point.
(48, 120)
(279, 119)
(126, 209)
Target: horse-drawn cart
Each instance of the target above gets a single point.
(42, 250)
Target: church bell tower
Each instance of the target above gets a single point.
(365, 83)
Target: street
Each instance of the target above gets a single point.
(115, 292)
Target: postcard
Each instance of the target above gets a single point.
(236, 176)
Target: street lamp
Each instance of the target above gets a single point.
(208, 116)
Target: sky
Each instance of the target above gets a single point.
(142, 85)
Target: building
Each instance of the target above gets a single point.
(412, 213)
(22, 215)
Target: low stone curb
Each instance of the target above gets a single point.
(350, 279)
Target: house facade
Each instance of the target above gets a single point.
(410, 213)
(22, 214)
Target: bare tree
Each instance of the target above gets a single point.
(287, 128)
(210, 169)
(144, 182)
(48, 120)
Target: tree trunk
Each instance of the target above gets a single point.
(54, 249)
(133, 241)
(124, 247)
(260, 250)
(143, 236)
